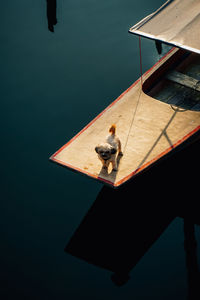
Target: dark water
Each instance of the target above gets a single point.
(53, 84)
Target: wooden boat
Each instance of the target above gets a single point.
(155, 118)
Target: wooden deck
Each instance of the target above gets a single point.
(181, 87)
(148, 128)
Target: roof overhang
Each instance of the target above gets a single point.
(176, 22)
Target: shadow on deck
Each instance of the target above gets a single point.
(181, 88)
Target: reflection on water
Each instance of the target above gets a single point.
(158, 46)
(123, 224)
(193, 274)
(51, 14)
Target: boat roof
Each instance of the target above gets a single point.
(176, 22)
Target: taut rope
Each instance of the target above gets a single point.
(135, 110)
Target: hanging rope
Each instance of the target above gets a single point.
(140, 47)
(135, 110)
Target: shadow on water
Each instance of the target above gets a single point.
(123, 224)
(193, 273)
(51, 14)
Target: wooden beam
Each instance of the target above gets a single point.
(184, 79)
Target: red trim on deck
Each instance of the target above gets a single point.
(158, 156)
(53, 157)
(136, 171)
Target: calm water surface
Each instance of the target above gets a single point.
(53, 84)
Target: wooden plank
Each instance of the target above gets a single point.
(184, 79)
(156, 130)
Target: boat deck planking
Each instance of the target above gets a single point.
(158, 127)
(184, 80)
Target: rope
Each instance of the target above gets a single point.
(135, 110)
(140, 61)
